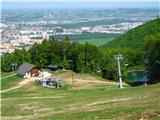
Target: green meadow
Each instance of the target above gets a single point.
(97, 42)
(95, 102)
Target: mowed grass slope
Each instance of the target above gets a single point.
(4, 74)
(92, 103)
(9, 81)
(97, 42)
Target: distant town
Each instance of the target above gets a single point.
(13, 37)
(21, 29)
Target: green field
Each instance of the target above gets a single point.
(3, 74)
(9, 81)
(97, 42)
(95, 102)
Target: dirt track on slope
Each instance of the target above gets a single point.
(82, 80)
(19, 85)
(50, 111)
(79, 81)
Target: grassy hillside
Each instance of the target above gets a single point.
(97, 42)
(98, 102)
(134, 38)
(86, 36)
(94, 102)
(9, 81)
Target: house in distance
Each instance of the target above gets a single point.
(28, 70)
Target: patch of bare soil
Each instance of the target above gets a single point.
(81, 80)
(31, 105)
(147, 115)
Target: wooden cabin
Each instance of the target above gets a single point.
(28, 70)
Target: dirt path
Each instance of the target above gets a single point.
(94, 81)
(8, 76)
(20, 84)
(33, 98)
(109, 101)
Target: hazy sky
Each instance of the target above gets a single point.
(38, 4)
(77, 0)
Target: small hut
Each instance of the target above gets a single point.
(54, 67)
(28, 70)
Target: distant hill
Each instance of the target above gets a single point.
(134, 39)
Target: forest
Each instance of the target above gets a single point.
(135, 39)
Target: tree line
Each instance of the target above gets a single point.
(85, 58)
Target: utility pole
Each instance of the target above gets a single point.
(72, 73)
(118, 57)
